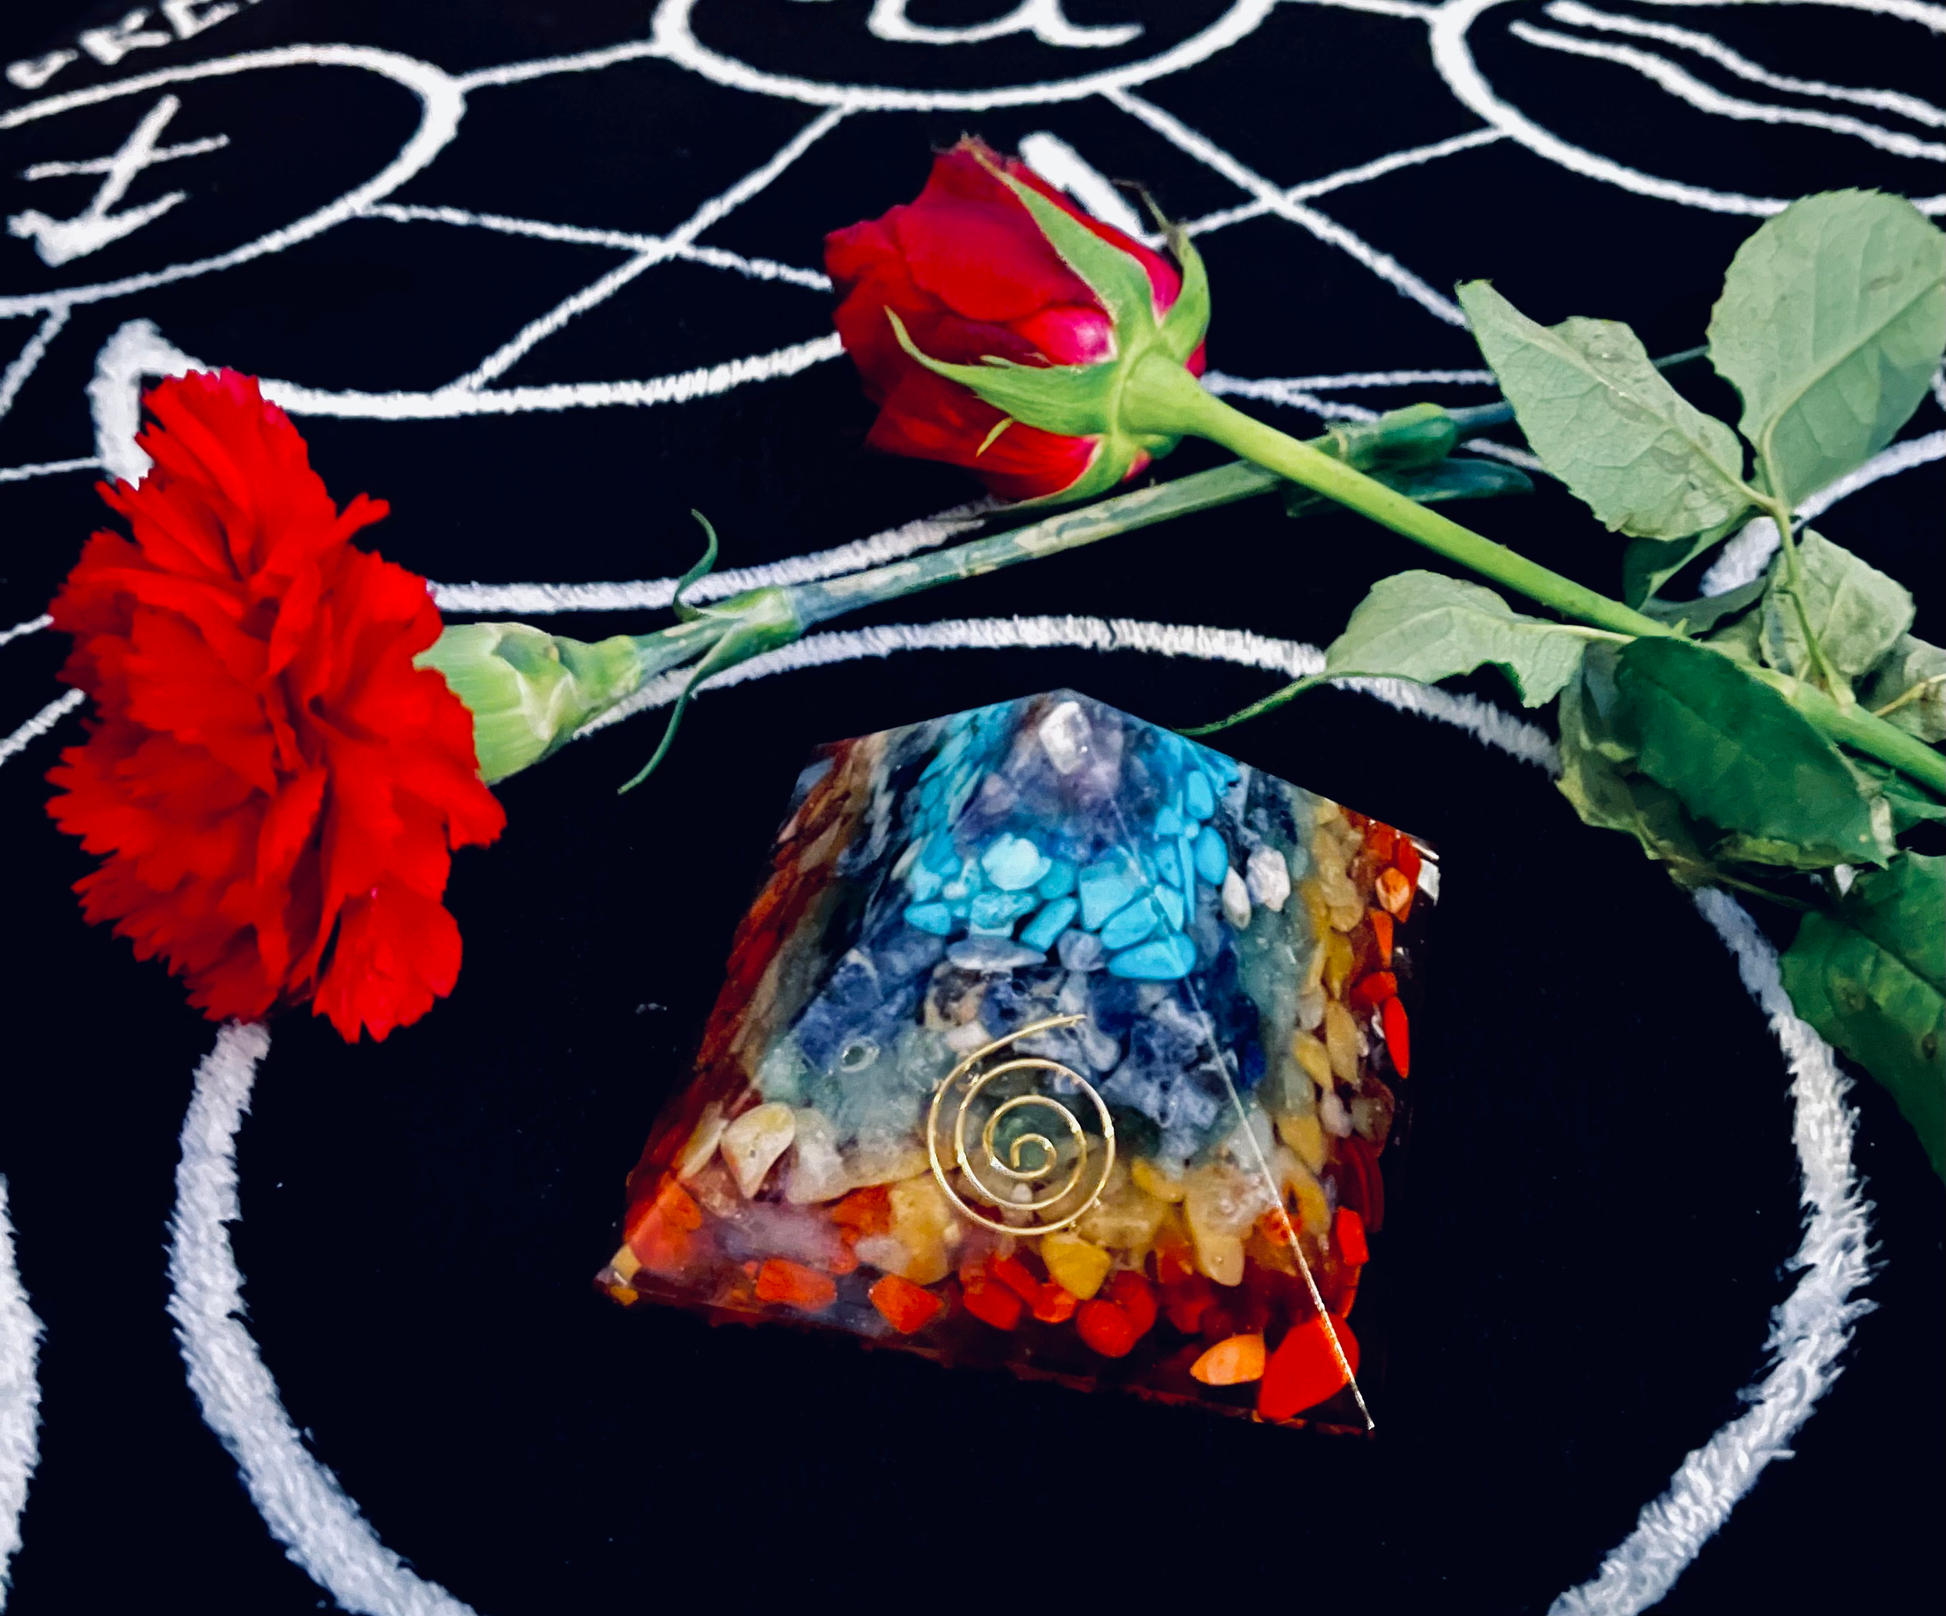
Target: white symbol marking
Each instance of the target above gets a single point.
(675, 39)
(1686, 87)
(1043, 19)
(191, 17)
(35, 71)
(1454, 60)
(60, 240)
(1908, 106)
(441, 105)
(109, 45)
(20, 1387)
(29, 356)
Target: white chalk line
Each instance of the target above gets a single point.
(301, 1502)
(1707, 45)
(40, 724)
(1378, 168)
(1051, 157)
(33, 625)
(1380, 8)
(1808, 1332)
(1207, 152)
(20, 1397)
(586, 62)
(1453, 57)
(1685, 86)
(711, 212)
(1927, 16)
(759, 269)
(29, 357)
(47, 468)
(678, 42)
(441, 105)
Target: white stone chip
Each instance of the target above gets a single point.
(1236, 900)
(1066, 737)
(1268, 878)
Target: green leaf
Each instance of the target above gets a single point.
(1857, 613)
(1913, 674)
(1648, 564)
(1736, 752)
(1606, 422)
(1451, 479)
(1606, 795)
(1420, 625)
(1831, 324)
(1871, 976)
(1701, 615)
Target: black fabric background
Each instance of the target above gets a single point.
(1603, 1191)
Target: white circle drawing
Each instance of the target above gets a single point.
(441, 103)
(676, 40)
(1454, 60)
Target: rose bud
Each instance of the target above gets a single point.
(995, 325)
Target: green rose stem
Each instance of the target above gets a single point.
(1164, 398)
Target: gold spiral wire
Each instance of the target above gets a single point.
(955, 1099)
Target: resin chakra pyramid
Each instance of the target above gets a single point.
(1059, 1042)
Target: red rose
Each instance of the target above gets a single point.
(273, 785)
(970, 273)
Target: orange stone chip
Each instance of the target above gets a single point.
(1231, 1362)
(907, 1307)
(781, 1280)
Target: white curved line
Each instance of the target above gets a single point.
(40, 724)
(711, 212)
(1454, 60)
(20, 1397)
(1665, 75)
(895, 544)
(452, 402)
(441, 105)
(1927, 16)
(758, 269)
(1807, 1333)
(299, 1499)
(1707, 45)
(1289, 658)
(675, 40)
(1274, 199)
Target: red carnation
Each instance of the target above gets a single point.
(970, 273)
(272, 783)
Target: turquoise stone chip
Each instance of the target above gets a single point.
(941, 856)
(1013, 863)
(1212, 857)
(1059, 880)
(1053, 919)
(1131, 924)
(922, 883)
(1106, 885)
(1198, 800)
(933, 917)
(1164, 960)
(1168, 823)
(1172, 906)
(997, 911)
